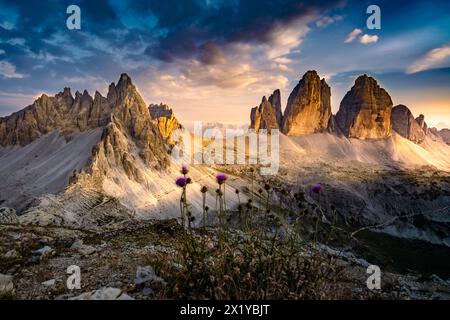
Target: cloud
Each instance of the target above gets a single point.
(8, 70)
(365, 39)
(6, 25)
(325, 21)
(10, 101)
(352, 35)
(284, 38)
(438, 57)
(190, 24)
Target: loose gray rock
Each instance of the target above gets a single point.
(146, 274)
(8, 216)
(6, 283)
(107, 293)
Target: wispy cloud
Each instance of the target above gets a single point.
(325, 21)
(438, 57)
(8, 70)
(352, 35)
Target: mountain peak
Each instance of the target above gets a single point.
(365, 111)
(308, 109)
(124, 80)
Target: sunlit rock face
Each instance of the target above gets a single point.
(365, 111)
(165, 120)
(403, 123)
(308, 108)
(268, 114)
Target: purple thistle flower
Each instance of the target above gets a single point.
(184, 170)
(221, 178)
(316, 188)
(181, 182)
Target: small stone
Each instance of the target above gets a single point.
(146, 274)
(12, 254)
(85, 250)
(49, 283)
(6, 283)
(147, 291)
(107, 293)
(44, 252)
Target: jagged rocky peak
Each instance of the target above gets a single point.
(268, 114)
(308, 108)
(421, 121)
(163, 116)
(123, 106)
(66, 96)
(403, 123)
(365, 111)
(160, 110)
(275, 101)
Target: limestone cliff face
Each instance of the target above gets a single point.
(275, 101)
(268, 114)
(365, 111)
(165, 120)
(308, 108)
(403, 123)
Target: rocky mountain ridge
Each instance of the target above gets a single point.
(366, 112)
(128, 139)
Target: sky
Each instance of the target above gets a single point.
(212, 60)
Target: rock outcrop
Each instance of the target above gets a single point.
(268, 114)
(275, 101)
(421, 121)
(403, 123)
(164, 118)
(308, 108)
(365, 111)
(444, 134)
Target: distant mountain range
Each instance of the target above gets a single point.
(366, 112)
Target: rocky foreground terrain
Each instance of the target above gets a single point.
(123, 264)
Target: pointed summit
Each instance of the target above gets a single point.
(124, 81)
(308, 109)
(275, 101)
(365, 111)
(266, 115)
